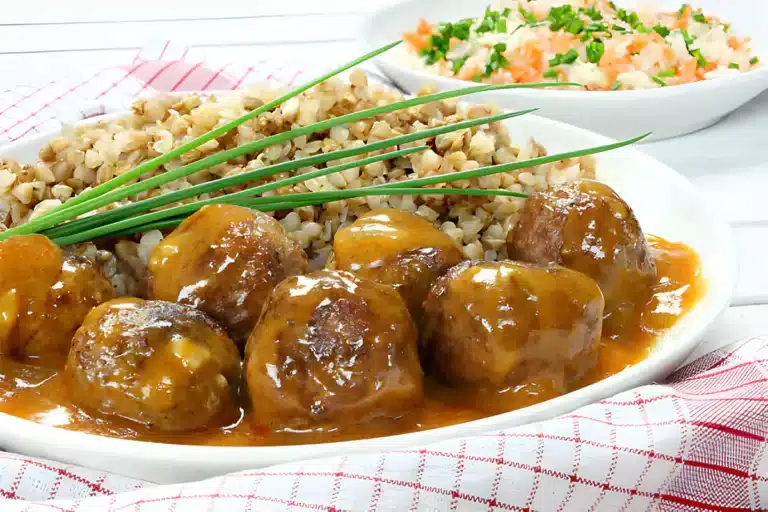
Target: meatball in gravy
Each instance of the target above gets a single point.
(224, 260)
(591, 229)
(44, 296)
(397, 249)
(496, 325)
(165, 365)
(332, 350)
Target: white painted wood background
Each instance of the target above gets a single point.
(41, 39)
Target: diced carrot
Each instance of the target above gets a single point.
(687, 72)
(669, 54)
(418, 41)
(424, 27)
(684, 19)
(735, 43)
(638, 43)
(711, 66)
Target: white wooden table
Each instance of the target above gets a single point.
(44, 38)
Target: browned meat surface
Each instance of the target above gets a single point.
(504, 323)
(165, 365)
(44, 296)
(588, 228)
(224, 260)
(332, 350)
(397, 249)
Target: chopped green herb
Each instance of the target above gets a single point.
(439, 42)
(598, 27)
(585, 37)
(550, 73)
(659, 81)
(642, 29)
(688, 38)
(491, 21)
(700, 18)
(575, 26)
(561, 16)
(618, 28)
(615, 85)
(458, 64)
(733, 65)
(476, 78)
(461, 29)
(726, 27)
(527, 15)
(681, 11)
(628, 17)
(595, 51)
(754, 60)
(700, 60)
(661, 30)
(667, 73)
(592, 13)
(496, 60)
(564, 58)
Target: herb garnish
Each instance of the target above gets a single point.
(527, 15)
(439, 42)
(667, 73)
(595, 51)
(615, 85)
(496, 60)
(550, 73)
(661, 30)
(733, 65)
(564, 58)
(700, 60)
(458, 64)
(700, 18)
(659, 81)
(754, 60)
(493, 21)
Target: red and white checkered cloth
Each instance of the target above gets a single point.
(696, 442)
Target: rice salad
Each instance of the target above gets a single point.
(595, 43)
(85, 156)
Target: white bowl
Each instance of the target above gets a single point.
(666, 205)
(665, 111)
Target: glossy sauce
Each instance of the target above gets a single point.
(37, 394)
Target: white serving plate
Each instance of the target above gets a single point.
(665, 111)
(667, 205)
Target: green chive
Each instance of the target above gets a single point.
(615, 86)
(659, 81)
(667, 73)
(550, 73)
(733, 65)
(754, 60)
(265, 172)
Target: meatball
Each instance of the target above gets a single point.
(44, 296)
(397, 249)
(332, 350)
(588, 228)
(224, 260)
(165, 365)
(495, 325)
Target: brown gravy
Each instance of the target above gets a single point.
(37, 394)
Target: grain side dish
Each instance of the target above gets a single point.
(87, 156)
(595, 43)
